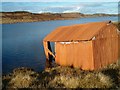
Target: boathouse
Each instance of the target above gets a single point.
(87, 46)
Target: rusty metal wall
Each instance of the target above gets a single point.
(119, 45)
(76, 54)
(105, 47)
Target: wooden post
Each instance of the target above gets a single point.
(49, 57)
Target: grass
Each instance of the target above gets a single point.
(64, 77)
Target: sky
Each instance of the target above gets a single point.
(60, 0)
(63, 7)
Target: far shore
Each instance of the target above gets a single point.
(23, 16)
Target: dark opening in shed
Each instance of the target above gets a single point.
(87, 46)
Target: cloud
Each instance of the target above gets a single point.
(63, 7)
(74, 9)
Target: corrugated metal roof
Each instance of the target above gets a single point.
(78, 32)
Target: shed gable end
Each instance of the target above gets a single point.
(105, 47)
(110, 31)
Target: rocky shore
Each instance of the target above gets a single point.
(23, 16)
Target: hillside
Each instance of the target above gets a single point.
(23, 16)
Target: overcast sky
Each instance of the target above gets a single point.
(62, 7)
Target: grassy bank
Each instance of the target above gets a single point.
(63, 77)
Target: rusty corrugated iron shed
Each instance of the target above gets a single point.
(78, 32)
(87, 46)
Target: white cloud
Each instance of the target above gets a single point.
(84, 7)
(75, 9)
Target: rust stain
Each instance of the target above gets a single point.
(76, 54)
(105, 47)
(119, 45)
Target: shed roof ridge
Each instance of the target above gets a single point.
(100, 30)
(77, 35)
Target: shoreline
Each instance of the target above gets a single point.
(23, 16)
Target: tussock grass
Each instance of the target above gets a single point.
(64, 77)
(20, 78)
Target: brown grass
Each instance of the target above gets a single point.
(64, 77)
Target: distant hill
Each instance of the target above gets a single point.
(24, 16)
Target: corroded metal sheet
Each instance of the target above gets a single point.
(119, 46)
(76, 54)
(105, 47)
(75, 32)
